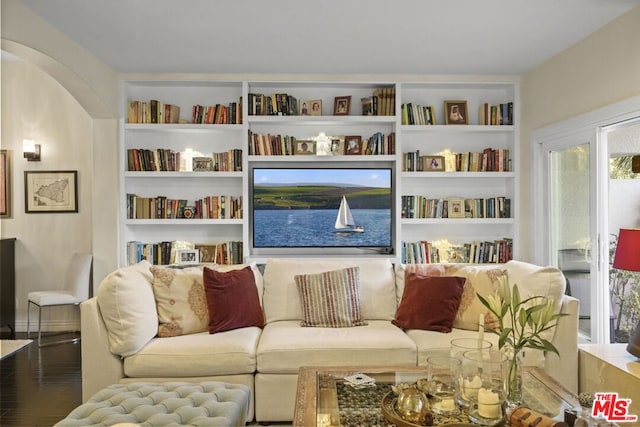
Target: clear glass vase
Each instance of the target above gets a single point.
(512, 376)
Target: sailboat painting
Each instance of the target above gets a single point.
(319, 208)
(344, 221)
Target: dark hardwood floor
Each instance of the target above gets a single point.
(40, 386)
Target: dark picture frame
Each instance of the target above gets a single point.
(51, 191)
(342, 105)
(456, 113)
(5, 183)
(353, 145)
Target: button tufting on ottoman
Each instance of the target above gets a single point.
(166, 404)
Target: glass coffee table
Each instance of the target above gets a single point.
(323, 398)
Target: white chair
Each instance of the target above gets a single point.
(76, 290)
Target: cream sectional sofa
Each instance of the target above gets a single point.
(120, 324)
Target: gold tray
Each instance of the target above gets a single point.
(391, 415)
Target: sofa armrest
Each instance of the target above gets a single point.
(100, 367)
(565, 368)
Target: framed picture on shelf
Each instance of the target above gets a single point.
(207, 253)
(50, 191)
(341, 105)
(305, 147)
(5, 183)
(433, 163)
(188, 256)
(455, 208)
(353, 145)
(311, 107)
(367, 106)
(202, 164)
(337, 146)
(455, 113)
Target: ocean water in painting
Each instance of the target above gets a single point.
(315, 227)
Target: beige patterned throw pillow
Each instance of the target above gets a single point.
(180, 301)
(330, 299)
(480, 280)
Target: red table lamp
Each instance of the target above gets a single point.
(627, 257)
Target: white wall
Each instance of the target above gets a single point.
(36, 106)
(600, 70)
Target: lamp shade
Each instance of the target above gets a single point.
(628, 258)
(628, 250)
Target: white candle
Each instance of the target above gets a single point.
(480, 331)
(488, 404)
(447, 405)
(471, 387)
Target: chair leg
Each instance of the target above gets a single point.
(39, 326)
(29, 319)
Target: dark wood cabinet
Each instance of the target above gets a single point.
(8, 286)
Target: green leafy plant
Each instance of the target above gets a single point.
(521, 323)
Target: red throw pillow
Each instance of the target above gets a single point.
(429, 302)
(232, 300)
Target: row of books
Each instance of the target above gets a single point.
(423, 207)
(379, 144)
(152, 111)
(164, 253)
(163, 160)
(499, 114)
(478, 252)
(161, 207)
(414, 114)
(219, 114)
(489, 160)
(276, 104)
(381, 103)
(287, 145)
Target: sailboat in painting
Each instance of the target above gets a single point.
(344, 221)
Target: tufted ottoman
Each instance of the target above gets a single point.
(164, 404)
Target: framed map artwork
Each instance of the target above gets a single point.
(50, 191)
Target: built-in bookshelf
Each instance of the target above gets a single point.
(186, 143)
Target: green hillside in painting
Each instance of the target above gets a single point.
(320, 197)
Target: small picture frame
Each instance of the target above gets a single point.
(433, 163)
(341, 105)
(353, 145)
(337, 146)
(304, 147)
(188, 256)
(455, 208)
(202, 164)
(5, 183)
(207, 253)
(311, 107)
(51, 191)
(455, 113)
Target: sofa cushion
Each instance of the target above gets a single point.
(232, 299)
(285, 346)
(180, 300)
(128, 308)
(429, 302)
(281, 301)
(401, 271)
(536, 280)
(481, 280)
(331, 298)
(196, 355)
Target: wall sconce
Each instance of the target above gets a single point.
(31, 150)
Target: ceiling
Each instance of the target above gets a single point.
(506, 37)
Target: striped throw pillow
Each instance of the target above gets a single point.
(330, 299)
